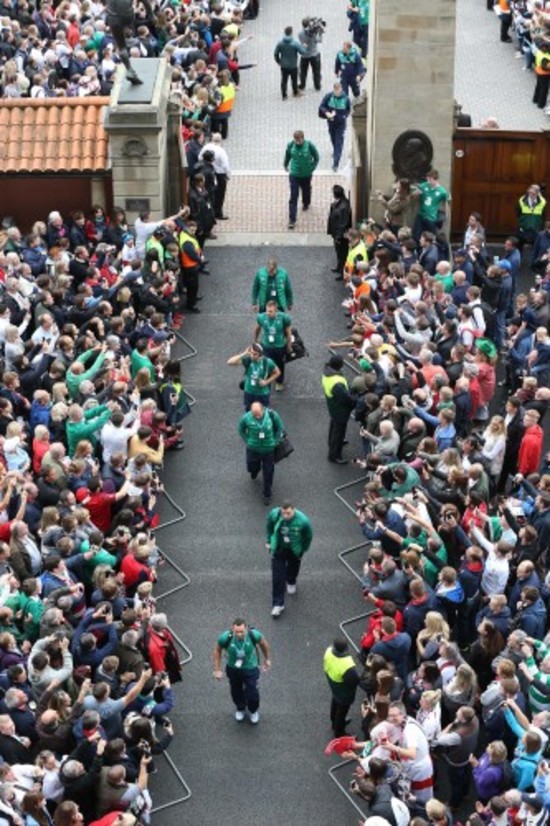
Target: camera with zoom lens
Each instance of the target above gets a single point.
(316, 26)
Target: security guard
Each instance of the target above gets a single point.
(226, 101)
(335, 108)
(191, 259)
(343, 680)
(241, 645)
(357, 252)
(340, 404)
(288, 537)
(531, 208)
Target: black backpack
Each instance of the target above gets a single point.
(299, 349)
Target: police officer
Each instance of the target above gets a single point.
(259, 374)
(261, 430)
(335, 108)
(343, 680)
(288, 537)
(241, 645)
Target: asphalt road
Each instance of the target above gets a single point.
(275, 772)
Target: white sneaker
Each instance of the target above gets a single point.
(277, 610)
(239, 716)
(290, 589)
(254, 717)
(279, 387)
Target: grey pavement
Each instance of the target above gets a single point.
(275, 773)
(489, 81)
(262, 123)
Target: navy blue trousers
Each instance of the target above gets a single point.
(244, 687)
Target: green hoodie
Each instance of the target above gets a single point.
(74, 381)
(94, 419)
(412, 480)
(272, 287)
(295, 533)
(261, 435)
(301, 159)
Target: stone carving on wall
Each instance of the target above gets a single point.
(412, 155)
(134, 148)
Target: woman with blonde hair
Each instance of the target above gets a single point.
(488, 771)
(494, 445)
(462, 690)
(13, 348)
(436, 630)
(60, 392)
(429, 714)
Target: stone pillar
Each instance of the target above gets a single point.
(136, 122)
(410, 87)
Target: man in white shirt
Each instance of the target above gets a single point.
(144, 227)
(222, 170)
(408, 744)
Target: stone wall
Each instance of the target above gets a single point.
(410, 83)
(136, 124)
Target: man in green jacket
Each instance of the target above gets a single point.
(84, 424)
(77, 372)
(271, 283)
(288, 537)
(261, 429)
(259, 374)
(274, 332)
(301, 160)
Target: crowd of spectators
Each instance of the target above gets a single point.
(90, 401)
(529, 23)
(451, 397)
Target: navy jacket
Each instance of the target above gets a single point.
(395, 650)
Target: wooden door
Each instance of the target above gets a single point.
(491, 170)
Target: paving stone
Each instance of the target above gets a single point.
(489, 81)
(262, 123)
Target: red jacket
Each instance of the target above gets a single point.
(530, 450)
(375, 621)
(134, 572)
(157, 647)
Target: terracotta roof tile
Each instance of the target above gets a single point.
(55, 135)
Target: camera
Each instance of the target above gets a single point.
(316, 26)
(144, 747)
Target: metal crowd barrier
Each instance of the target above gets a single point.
(185, 581)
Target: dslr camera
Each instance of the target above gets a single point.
(316, 26)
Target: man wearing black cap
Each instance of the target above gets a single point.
(340, 404)
(343, 680)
